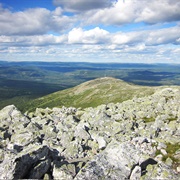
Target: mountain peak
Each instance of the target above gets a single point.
(93, 93)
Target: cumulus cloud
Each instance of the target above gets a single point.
(38, 21)
(123, 12)
(33, 21)
(160, 11)
(93, 36)
(99, 36)
(148, 37)
(163, 36)
(126, 38)
(40, 32)
(82, 5)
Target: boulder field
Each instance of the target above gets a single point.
(135, 139)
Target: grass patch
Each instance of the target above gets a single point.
(147, 120)
(170, 149)
(157, 152)
(172, 119)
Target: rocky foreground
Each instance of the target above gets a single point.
(136, 139)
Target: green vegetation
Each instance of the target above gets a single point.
(157, 152)
(146, 120)
(172, 118)
(92, 94)
(25, 81)
(171, 149)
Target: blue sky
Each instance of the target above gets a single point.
(139, 31)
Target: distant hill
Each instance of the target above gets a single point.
(92, 93)
(22, 82)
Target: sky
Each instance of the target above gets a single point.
(124, 31)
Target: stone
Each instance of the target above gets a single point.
(163, 151)
(47, 177)
(136, 173)
(159, 157)
(22, 138)
(6, 113)
(101, 142)
(115, 141)
(61, 173)
(169, 161)
(178, 169)
(1, 155)
(17, 167)
(81, 133)
(161, 145)
(38, 171)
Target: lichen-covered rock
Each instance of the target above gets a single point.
(135, 139)
(136, 173)
(64, 171)
(116, 162)
(22, 165)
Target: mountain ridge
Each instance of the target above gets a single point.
(93, 93)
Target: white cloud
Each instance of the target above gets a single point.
(93, 53)
(163, 36)
(149, 37)
(44, 34)
(176, 50)
(125, 38)
(41, 21)
(33, 21)
(160, 11)
(39, 40)
(128, 11)
(98, 36)
(58, 11)
(82, 5)
(93, 36)
(119, 13)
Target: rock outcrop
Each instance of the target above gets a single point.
(136, 139)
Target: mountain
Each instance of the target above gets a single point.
(92, 93)
(134, 139)
(21, 82)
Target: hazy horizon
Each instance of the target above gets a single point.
(31, 61)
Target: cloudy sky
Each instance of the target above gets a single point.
(143, 31)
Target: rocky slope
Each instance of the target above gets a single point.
(135, 139)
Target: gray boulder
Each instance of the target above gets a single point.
(128, 140)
